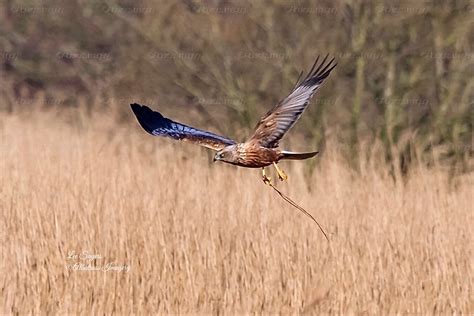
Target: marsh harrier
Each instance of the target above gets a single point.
(262, 148)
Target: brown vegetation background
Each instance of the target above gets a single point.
(213, 238)
(404, 72)
(203, 237)
(392, 185)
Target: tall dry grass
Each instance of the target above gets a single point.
(205, 238)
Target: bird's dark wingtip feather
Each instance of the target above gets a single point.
(138, 108)
(321, 72)
(147, 118)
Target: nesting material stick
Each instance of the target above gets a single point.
(287, 199)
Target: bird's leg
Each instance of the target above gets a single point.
(281, 174)
(265, 178)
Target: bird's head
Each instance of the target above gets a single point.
(227, 154)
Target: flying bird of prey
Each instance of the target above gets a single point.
(262, 148)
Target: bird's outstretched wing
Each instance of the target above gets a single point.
(158, 125)
(273, 125)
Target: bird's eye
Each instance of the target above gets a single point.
(221, 155)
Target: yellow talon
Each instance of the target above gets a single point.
(281, 174)
(267, 180)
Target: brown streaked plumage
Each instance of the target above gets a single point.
(262, 148)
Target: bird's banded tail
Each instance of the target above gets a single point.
(297, 156)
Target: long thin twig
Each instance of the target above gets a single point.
(299, 208)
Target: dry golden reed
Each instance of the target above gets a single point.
(199, 237)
